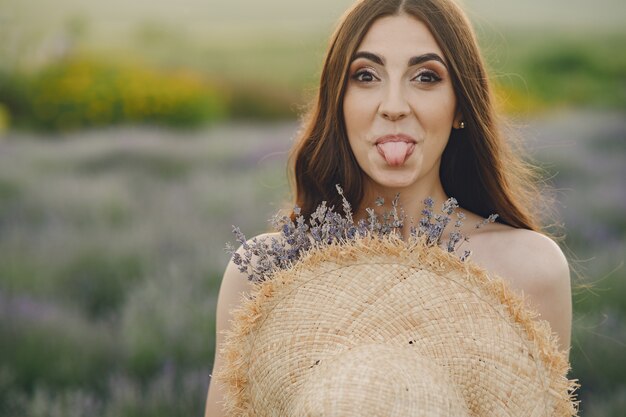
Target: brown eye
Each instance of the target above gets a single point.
(427, 77)
(364, 76)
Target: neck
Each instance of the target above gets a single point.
(411, 201)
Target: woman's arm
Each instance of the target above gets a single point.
(535, 264)
(549, 288)
(234, 283)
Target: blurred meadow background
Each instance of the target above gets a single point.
(134, 134)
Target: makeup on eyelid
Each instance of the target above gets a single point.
(355, 75)
(372, 72)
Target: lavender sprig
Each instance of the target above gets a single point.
(347, 208)
(492, 218)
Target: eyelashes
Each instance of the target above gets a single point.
(425, 76)
(361, 74)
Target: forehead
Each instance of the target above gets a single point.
(400, 34)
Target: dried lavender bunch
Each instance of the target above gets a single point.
(325, 227)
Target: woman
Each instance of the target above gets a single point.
(404, 106)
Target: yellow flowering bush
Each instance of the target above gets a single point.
(79, 92)
(511, 100)
(4, 118)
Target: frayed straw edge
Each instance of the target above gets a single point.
(237, 348)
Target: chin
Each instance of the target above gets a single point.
(395, 180)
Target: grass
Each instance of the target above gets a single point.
(561, 69)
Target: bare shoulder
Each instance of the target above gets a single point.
(236, 285)
(527, 258)
(534, 265)
(236, 278)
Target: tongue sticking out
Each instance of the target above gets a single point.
(395, 153)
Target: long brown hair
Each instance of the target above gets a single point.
(478, 166)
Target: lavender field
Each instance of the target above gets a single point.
(111, 254)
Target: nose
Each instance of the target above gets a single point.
(394, 105)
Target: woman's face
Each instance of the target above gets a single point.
(399, 105)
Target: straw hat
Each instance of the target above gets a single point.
(381, 328)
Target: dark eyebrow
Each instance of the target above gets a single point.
(368, 55)
(416, 60)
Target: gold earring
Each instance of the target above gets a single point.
(462, 125)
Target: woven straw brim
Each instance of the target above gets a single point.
(375, 327)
